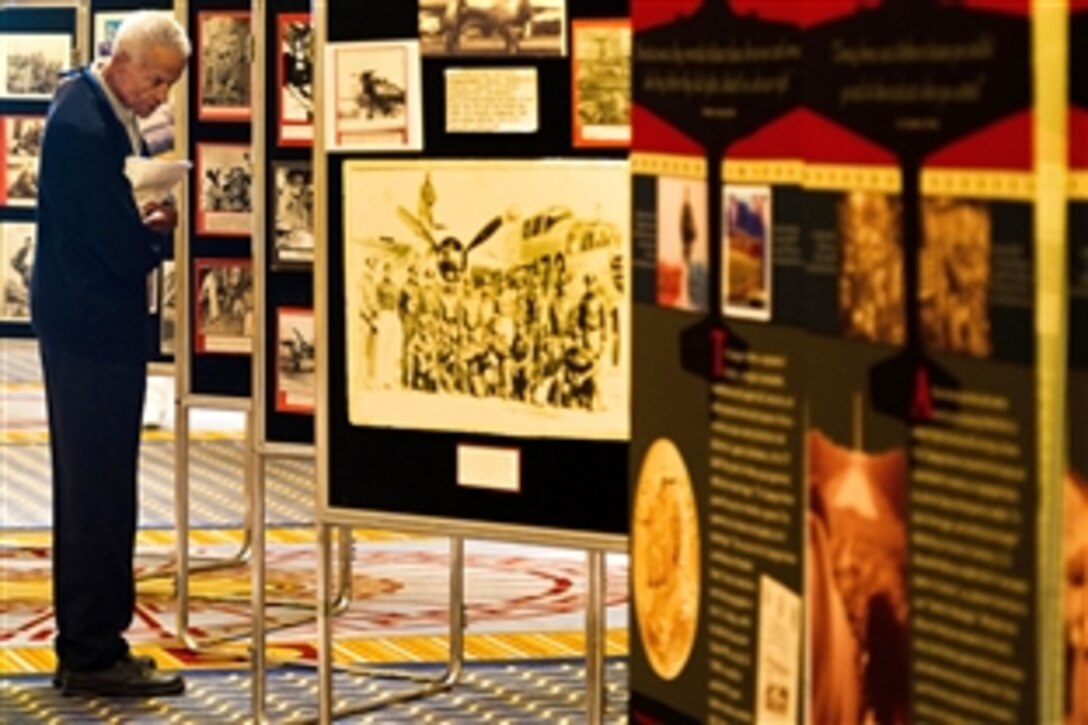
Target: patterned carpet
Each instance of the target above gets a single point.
(526, 694)
(525, 605)
(216, 474)
(520, 602)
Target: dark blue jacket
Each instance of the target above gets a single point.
(88, 292)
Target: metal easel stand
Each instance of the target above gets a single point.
(258, 572)
(253, 553)
(596, 634)
(183, 569)
(428, 685)
(595, 622)
(258, 655)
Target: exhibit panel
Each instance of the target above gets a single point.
(911, 403)
(943, 270)
(717, 410)
(38, 45)
(221, 295)
(287, 254)
(477, 268)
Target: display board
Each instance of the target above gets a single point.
(1074, 589)
(478, 296)
(38, 45)
(289, 339)
(845, 463)
(220, 297)
(716, 453)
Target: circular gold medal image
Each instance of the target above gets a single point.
(665, 559)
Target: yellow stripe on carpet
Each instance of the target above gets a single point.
(387, 650)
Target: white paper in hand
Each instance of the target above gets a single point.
(154, 179)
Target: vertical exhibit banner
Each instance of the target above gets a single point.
(850, 366)
(932, 566)
(1074, 587)
(716, 452)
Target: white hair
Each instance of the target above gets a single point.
(147, 29)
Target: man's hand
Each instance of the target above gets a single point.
(161, 217)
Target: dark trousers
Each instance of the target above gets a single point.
(95, 410)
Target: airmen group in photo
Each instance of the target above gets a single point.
(532, 334)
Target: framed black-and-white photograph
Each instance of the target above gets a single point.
(224, 175)
(168, 307)
(746, 256)
(296, 382)
(296, 79)
(488, 296)
(223, 83)
(17, 257)
(20, 150)
(224, 306)
(374, 89)
(294, 216)
(601, 105)
(30, 65)
(493, 27)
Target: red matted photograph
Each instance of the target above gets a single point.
(601, 82)
(295, 70)
(224, 180)
(223, 82)
(296, 381)
(223, 290)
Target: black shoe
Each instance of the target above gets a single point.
(148, 663)
(125, 678)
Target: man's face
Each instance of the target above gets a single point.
(143, 82)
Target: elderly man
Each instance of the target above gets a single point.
(89, 309)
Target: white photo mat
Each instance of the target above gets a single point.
(373, 99)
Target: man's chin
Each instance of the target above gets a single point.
(145, 111)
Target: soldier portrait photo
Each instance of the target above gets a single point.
(294, 217)
(225, 178)
(223, 82)
(497, 298)
(683, 244)
(224, 305)
(296, 80)
(296, 379)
